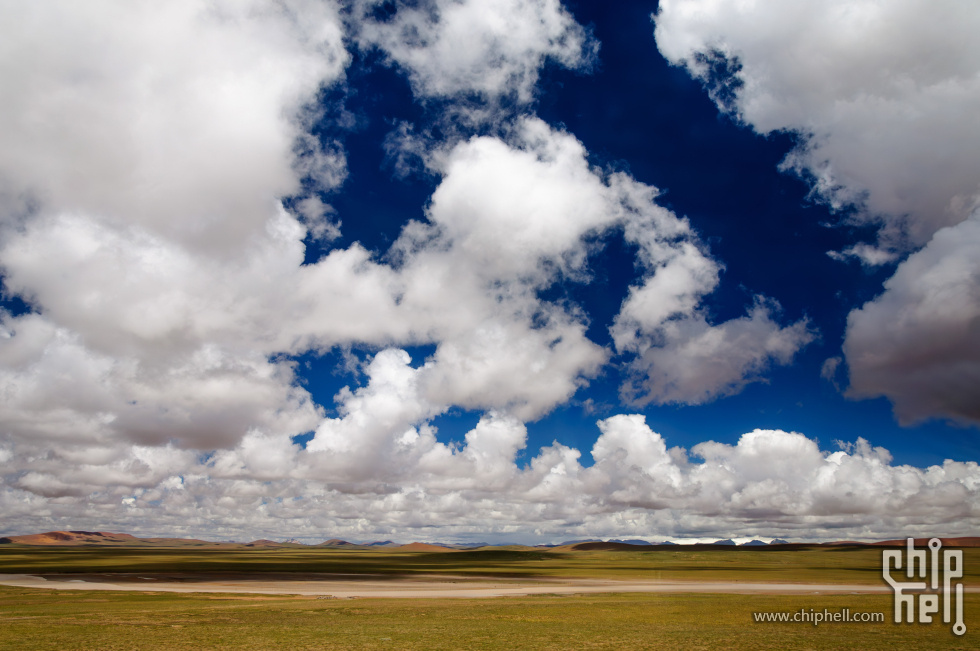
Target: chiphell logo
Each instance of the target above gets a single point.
(929, 592)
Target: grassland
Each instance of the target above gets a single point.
(42, 619)
(816, 564)
(63, 620)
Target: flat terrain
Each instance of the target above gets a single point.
(342, 599)
(415, 587)
(810, 564)
(49, 619)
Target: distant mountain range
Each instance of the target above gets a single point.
(79, 538)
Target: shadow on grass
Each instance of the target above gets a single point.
(831, 564)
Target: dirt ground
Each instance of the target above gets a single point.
(415, 587)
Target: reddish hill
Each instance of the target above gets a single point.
(181, 541)
(69, 538)
(73, 538)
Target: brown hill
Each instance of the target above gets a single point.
(185, 542)
(72, 538)
(337, 543)
(69, 538)
(263, 543)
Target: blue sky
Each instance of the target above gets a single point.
(490, 270)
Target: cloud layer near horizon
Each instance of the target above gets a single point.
(365, 481)
(142, 173)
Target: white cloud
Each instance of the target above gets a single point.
(695, 362)
(512, 218)
(884, 95)
(513, 366)
(680, 356)
(507, 220)
(58, 390)
(143, 158)
(490, 48)
(868, 255)
(534, 228)
(72, 471)
(918, 343)
(152, 144)
(377, 422)
(180, 117)
(828, 371)
(183, 346)
(771, 483)
(316, 216)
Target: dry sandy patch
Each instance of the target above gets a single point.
(414, 587)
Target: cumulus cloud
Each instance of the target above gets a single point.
(182, 118)
(141, 339)
(56, 389)
(144, 152)
(695, 362)
(488, 48)
(882, 94)
(73, 471)
(147, 161)
(770, 482)
(918, 343)
(519, 216)
(680, 356)
(376, 422)
(883, 98)
(318, 219)
(508, 219)
(150, 145)
(184, 346)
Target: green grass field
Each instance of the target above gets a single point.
(52, 619)
(42, 619)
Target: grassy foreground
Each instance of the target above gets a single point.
(42, 619)
(67, 620)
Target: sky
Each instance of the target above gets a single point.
(490, 270)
